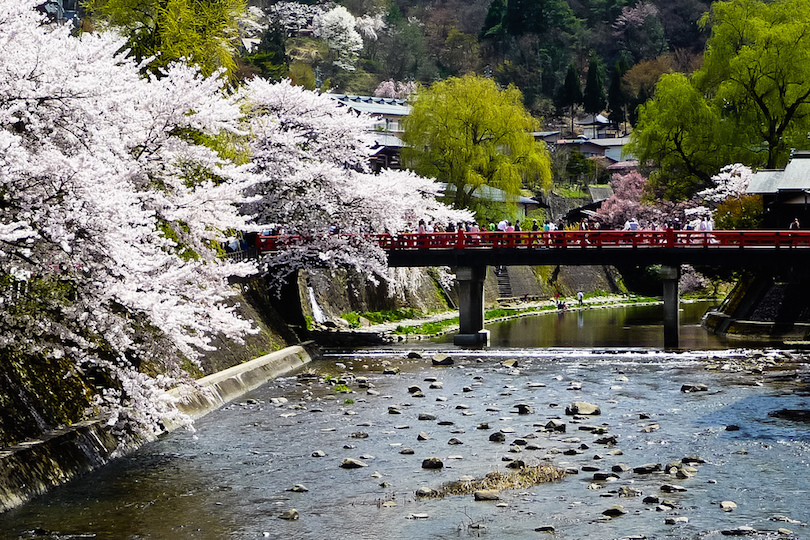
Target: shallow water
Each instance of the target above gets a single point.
(627, 326)
(230, 478)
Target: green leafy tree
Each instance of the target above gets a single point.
(493, 22)
(748, 103)
(493, 31)
(468, 133)
(593, 99)
(685, 135)
(202, 32)
(757, 64)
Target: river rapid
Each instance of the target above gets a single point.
(232, 477)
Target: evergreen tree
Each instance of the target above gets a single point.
(570, 94)
(617, 96)
(493, 23)
(270, 57)
(593, 99)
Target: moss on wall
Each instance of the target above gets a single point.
(38, 394)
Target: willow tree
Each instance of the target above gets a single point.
(469, 133)
(748, 103)
(203, 33)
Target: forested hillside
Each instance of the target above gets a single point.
(611, 52)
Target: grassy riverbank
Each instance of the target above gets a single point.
(439, 323)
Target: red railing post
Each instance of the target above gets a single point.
(460, 238)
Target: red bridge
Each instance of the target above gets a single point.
(720, 248)
(469, 253)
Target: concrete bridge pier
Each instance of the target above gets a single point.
(471, 331)
(670, 276)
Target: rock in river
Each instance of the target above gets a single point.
(290, 514)
(581, 407)
(351, 463)
(432, 463)
(487, 495)
(442, 360)
(615, 511)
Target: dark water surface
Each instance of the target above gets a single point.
(230, 478)
(629, 326)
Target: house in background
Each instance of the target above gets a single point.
(492, 194)
(785, 193)
(597, 127)
(388, 113)
(62, 11)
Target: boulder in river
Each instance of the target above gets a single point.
(727, 506)
(290, 515)
(649, 468)
(739, 531)
(523, 408)
(698, 387)
(487, 495)
(442, 360)
(351, 463)
(432, 463)
(583, 408)
(615, 511)
(794, 415)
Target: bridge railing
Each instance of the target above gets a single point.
(565, 239)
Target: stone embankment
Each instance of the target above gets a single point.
(34, 467)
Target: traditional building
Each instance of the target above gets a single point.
(785, 192)
(388, 113)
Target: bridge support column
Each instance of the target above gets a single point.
(471, 331)
(670, 276)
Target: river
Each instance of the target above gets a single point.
(231, 478)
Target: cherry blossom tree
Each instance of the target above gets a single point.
(398, 89)
(110, 214)
(294, 16)
(312, 157)
(337, 28)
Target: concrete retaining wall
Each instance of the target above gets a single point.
(219, 388)
(34, 467)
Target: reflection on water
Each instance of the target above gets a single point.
(631, 326)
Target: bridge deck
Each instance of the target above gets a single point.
(527, 248)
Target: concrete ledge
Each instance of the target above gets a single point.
(219, 388)
(34, 467)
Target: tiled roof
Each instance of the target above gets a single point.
(794, 177)
(374, 105)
